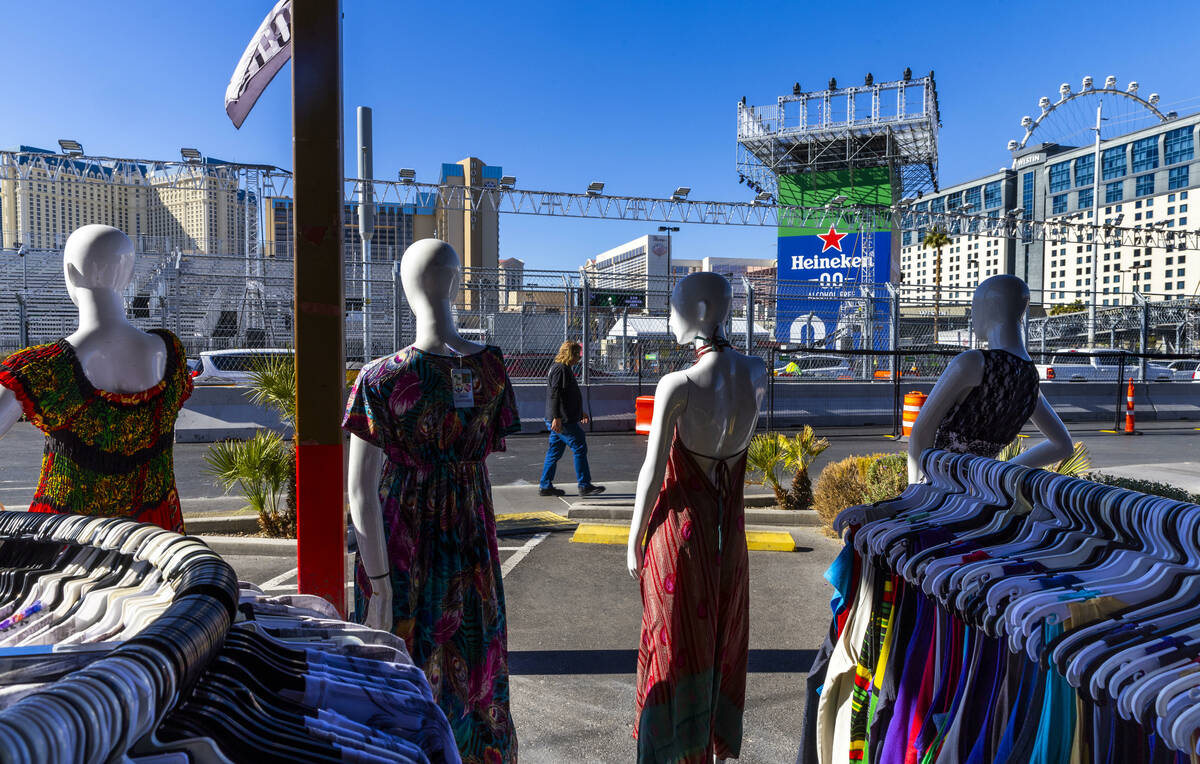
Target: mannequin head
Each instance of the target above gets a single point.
(97, 257)
(430, 272)
(699, 305)
(998, 301)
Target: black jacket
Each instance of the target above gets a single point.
(563, 399)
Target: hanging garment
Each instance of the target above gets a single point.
(440, 531)
(691, 677)
(991, 414)
(107, 454)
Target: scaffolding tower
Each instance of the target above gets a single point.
(878, 124)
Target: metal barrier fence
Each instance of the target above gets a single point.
(216, 302)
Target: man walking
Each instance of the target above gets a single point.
(564, 417)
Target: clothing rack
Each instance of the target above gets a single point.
(120, 641)
(1043, 586)
(137, 682)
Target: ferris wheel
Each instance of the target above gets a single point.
(1071, 120)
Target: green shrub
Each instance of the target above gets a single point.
(1150, 487)
(858, 480)
(772, 451)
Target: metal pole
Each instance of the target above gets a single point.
(1120, 390)
(749, 315)
(397, 307)
(625, 339)
(366, 220)
(585, 335)
(320, 297)
(1144, 338)
(1091, 333)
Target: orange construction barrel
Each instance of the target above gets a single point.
(643, 408)
(912, 406)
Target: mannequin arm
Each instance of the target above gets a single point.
(10, 410)
(366, 514)
(670, 399)
(1057, 445)
(961, 375)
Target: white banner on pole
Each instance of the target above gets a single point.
(268, 51)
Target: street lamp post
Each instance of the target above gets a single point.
(668, 229)
(24, 296)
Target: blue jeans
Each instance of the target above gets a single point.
(572, 435)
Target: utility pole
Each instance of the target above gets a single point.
(1091, 332)
(366, 220)
(320, 297)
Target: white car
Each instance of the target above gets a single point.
(1099, 365)
(1185, 370)
(231, 367)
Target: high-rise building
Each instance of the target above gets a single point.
(198, 208)
(1146, 179)
(396, 227)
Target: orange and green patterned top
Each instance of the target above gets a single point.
(107, 454)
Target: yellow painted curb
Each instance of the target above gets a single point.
(533, 522)
(592, 533)
(756, 541)
(769, 541)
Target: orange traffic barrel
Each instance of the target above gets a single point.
(912, 407)
(643, 407)
(1129, 409)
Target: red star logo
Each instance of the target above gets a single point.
(833, 239)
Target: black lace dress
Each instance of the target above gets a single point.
(993, 413)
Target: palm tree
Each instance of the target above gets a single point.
(936, 238)
(765, 455)
(798, 454)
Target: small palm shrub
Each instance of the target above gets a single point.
(265, 465)
(1074, 465)
(765, 456)
(772, 451)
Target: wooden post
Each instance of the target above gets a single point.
(320, 309)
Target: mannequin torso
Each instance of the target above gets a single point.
(997, 310)
(115, 355)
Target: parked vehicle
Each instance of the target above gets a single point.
(1099, 365)
(1185, 370)
(813, 367)
(231, 367)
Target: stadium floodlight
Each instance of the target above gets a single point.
(191, 156)
(69, 146)
(595, 187)
(680, 193)
(508, 181)
(839, 199)
(763, 198)
(407, 175)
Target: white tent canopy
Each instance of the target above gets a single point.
(655, 327)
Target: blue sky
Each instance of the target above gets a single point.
(639, 95)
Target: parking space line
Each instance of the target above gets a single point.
(521, 553)
(277, 581)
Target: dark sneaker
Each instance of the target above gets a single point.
(551, 491)
(590, 490)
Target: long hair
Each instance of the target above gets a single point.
(566, 353)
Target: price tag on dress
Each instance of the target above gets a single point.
(464, 391)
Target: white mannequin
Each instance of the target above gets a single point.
(714, 404)
(997, 310)
(429, 272)
(116, 356)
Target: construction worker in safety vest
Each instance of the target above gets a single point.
(791, 368)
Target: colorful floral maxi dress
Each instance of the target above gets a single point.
(691, 676)
(440, 530)
(107, 454)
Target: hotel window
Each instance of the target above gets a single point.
(1177, 177)
(1145, 154)
(937, 205)
(1060, 177)
(1059, 204)
(1113, 192)
(1177, 145)
(1085, 198)
(1084, 167)
(1145, 185)
(991, 195)
(1112, 163)
(972, 198)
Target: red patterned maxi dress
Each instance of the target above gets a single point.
(691, 677)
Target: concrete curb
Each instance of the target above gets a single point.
(253, 545)
(770, 517)
(205, 525)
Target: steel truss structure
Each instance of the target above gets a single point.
(886, 124)
(272, 181)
